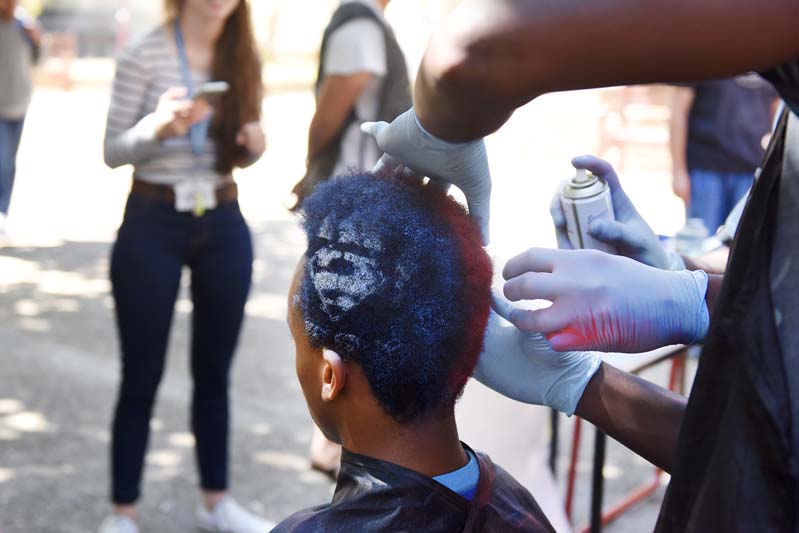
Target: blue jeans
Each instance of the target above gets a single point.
(714, 194)
(153, 245)
(10, 134)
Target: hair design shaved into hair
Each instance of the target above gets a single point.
(396, 280)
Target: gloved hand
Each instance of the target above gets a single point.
(606, 302)
(522, 366)
(629, 233)
(464, 165)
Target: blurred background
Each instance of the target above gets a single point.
(58, 347)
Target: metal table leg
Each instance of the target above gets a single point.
(597, 487)
(554, 421)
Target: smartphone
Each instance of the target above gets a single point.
(211, 90)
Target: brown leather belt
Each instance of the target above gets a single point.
(227, 193)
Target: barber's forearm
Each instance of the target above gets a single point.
(639, 414)
(491, 56)
(714, 262)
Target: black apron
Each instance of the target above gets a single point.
(735, 467)
(373, 495)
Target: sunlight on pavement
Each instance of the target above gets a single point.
(288, 461)
(9, 434)
(10, 405)
(165, 458)
(181, 440)
(267, 305)
(27, 308)
(53, 282)
(184, 305)
(6, 475)
(261, 429)
(35, 325)
(612, 472)
(26, 422)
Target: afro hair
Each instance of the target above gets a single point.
(398, 281)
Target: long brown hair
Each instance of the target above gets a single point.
(236, 61)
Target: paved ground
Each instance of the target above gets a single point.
(58, 351)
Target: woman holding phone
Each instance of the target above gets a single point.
(183, 211)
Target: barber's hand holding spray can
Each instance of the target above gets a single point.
(623, 232)
(585, 200)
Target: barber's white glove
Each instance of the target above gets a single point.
(606, 302)
(464, 165)
(522, 365)
(629, 233)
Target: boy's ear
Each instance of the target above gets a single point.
(334, 375)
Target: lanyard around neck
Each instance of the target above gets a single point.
(198, 133)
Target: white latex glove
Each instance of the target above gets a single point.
(464, 165)
(522, 365)
(629, 233)
(606, 302)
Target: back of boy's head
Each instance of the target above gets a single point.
(397, 281)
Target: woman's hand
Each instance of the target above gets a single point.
(252, 137)
(175, 114)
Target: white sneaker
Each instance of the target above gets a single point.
(116, 523)
(230, 517)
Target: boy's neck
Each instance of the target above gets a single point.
(430, 447)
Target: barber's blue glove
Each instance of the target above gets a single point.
(522, 365)
(629, 233)
(606, 302)
(464, 165)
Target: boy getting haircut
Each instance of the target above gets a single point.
(388, 310)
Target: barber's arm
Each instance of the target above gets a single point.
(639, 414)
(490, 57)
(338, 95)
(600, 302)
(714, 262)
(522, 366)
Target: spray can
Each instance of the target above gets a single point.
(586, 198)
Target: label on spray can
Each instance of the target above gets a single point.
(585, 199)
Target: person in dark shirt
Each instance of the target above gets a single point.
(732, 448)
(716, 131)
(387, 309)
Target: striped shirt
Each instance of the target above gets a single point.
(145, 70)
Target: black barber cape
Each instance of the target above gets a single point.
(373, 495)
(736, 465)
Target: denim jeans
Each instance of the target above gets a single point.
(10, 134)
(714, 194)
(152, 246)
